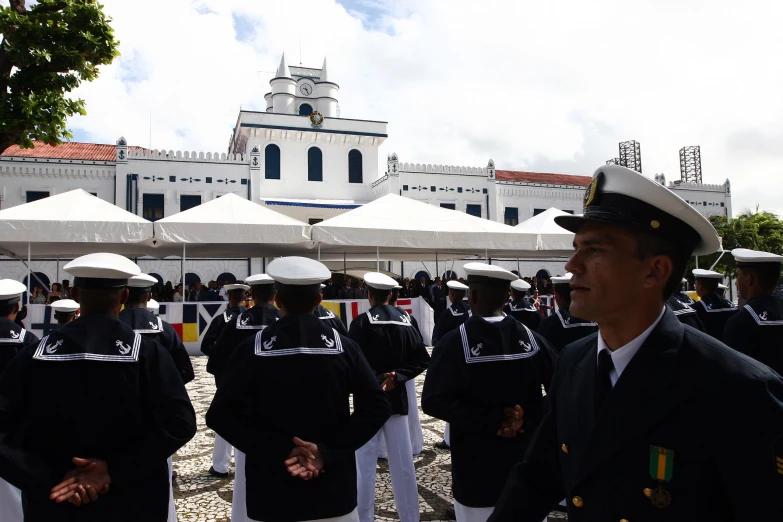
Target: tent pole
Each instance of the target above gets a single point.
(486, 256)
(57, 277)
(345, 268)
(377, 258)
(29, 270)
(319, 252)
(184, 292)
(436, 265)
(519, 272)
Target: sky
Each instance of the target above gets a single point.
(540, 86)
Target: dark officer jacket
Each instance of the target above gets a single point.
(562, 329)
(713, 311)
(757, 330)
(719, 413)
(12, 339)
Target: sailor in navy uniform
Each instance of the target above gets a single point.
(12, 336)
(684, 312)
(520, 308)
(221, 452)
(285, 399)
(396, 354)
(682, 297)
(153, 306)
(65, 311)
(455, 314)
(323, 313)
(712, 308)
(139, 410)
(240, 328)
(722, 289)
(486, 379)
(144, 322)
(236, 296)
(641, 414)
(757, 328)
(561, 328)
(12, 339)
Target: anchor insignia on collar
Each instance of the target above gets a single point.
(405, 319)
(375, 317)
(476, 351)
(229, 317)
(52, 348)
(763, 315)
(154, 326)
(14, 335)
(268, 344)
(709, 307)
(567, 320)
(328, 342)
(243, 322)
(124, 348)
(525, 346)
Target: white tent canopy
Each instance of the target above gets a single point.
(230, 226)
(549, 236)
(403, 228)
(72, 224)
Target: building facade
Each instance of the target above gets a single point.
(298, 158)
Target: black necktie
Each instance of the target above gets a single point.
(603, 383)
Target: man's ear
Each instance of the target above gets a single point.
(659, 271)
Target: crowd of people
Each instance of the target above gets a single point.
(630, 402)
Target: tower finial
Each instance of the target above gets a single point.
(282, 70)
(325, 77)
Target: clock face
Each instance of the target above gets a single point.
(306, 89)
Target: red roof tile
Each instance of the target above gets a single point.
(71, 151)
(541, 177)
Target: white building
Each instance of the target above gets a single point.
(299, 158)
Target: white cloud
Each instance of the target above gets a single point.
(533, 85)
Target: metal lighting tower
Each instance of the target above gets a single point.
(631, 155)
(690, 164)
(613, 161)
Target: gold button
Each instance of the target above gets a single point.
(578, 502)
(647, 492)
(623, 520)
(564, 448)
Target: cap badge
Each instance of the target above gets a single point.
(590, 191)
(655, 223)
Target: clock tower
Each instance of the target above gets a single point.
(302, 91)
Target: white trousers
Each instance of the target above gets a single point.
(403, 474)
(414, 423)
(10, 503)
(172, 505)
(239, 502)
(471, 514)
(221, 454)
(447, 434)
(353, 516)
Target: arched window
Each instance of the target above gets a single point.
(228, 277)
(355, 167)
(315, 164)
(305, 109)
(272, 162)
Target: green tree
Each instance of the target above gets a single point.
(47, 51)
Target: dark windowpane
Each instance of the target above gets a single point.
(569, 212)
(305, 109)
(355, 167)
(314, 221)
(459, 190)
(511, 216)
(272, 162)
(34, 195)
(315, 164)
(153, 206)
(450, 206)
(172, 179)
(473, 210)
(209, 180)
(432, 188)
(188, 202)
(537, 211)
(405, 187)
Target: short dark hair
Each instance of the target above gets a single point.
(709, 284)
(263, 292)
(395, 294)
(381, 296)
(517, 294)
(7, 309)
(298, 300)
(648, 245)
(137, 296)
(768, 274)
(100, 300)
(563, 293)
(490, 296)
(62, 317)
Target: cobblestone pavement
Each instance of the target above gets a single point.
(201, 497)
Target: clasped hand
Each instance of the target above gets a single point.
(84, 483)
(513, 422)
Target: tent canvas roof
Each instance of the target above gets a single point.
(549, 235)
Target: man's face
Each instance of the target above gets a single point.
(423, 280)
(605, 254)
(743, 282)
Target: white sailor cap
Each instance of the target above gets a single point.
(259, 279)
(102, 270)
(746, 257)
(236, 286)
(11, 291)
(65, 306)
(398, 287)
(563, 279)
(298, 271)
(456, 285)
(684, 280)
(623, 197)
(520, 285)
(488, 274)
(722, 286)
(700, 273)
(142, 281)
(153, 306)
(379, 281)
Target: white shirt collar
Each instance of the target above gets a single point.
(623, 355)
(494, 319)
